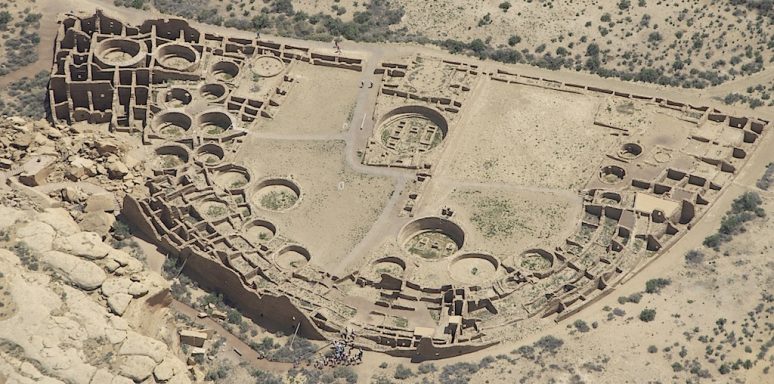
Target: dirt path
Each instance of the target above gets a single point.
(387, 222)
(232, 342)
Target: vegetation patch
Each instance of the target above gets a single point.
(745, 208)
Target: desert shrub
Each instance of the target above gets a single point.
(648, 315)
(513, 40)
(27, 95)
(633, 298)
(301, 348)
(233, 316)
(402, 373)
(549, 343)
(426, 368)
(345, 373)
(218, 373)
(655, 285)
(744, 208)
(138, 4)
(486, 362)
(505, 6)
(26, 255)
(581, 326)
(5, 18)
(459, 373)
(263, 377)
(652, 349)
(767, 179)
(694, 257)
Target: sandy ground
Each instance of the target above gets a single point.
(527, 136)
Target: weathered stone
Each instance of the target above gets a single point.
(137, 344)
(105, 147)
(164, 371)
(73, 195)
(101, 202)
(129, 264)
(97, 222)
(60, 220)
(137, 368)
(117, 170)
(38, 235)
(84, 244)
(82, 273)
(101, 376)
(119, 302)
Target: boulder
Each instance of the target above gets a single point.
(97, 222)
(38, 235)
(141, 345)
(164, 371)
(101, 376)
(104, 202)
(82, 273)
(60, 220)
(107, 147)
(117, 170)
(137, 368)
(9, 216)
(119, 302)
(81, 167)
(127, 264)
(73, 195)
(84, 244)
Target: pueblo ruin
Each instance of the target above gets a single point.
(430, 205)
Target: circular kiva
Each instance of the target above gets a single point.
(392, 266)
(171, 124)
(121, 52)
(292, 257)
(215, 122)
(610, 198)
(474, 268)
(630, 151)
(412, 128)
(535, 261)
(260, 231)
(212, 92)
(662, 156)
(170, 156)
(431, 237)
(177, 56)
(231, 177)
(210, 154)
(276, 194)
(267, 66)
(224, 70)
(611, 174)
(212, 209)
(177, 97)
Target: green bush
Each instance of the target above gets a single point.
(549, 343)
(647, 315)
(402, 373)
(581, 326)
(426, 368)
(694, 257)
(655, 285)
(345, 373)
